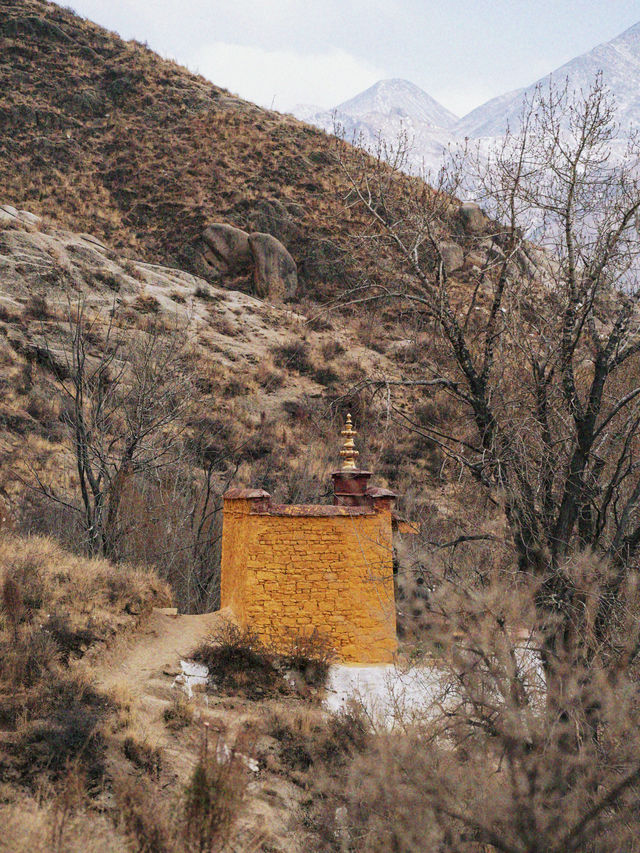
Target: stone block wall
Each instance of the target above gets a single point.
(287, 570)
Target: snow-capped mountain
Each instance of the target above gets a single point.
(386, 110)
(401, 98)
(619, 61)
(394, 106)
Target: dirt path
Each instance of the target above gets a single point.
(143, 666)
(144, 658)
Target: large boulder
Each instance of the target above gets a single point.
(270, 216)
(474, 219)
(274, 270)
(226, 248)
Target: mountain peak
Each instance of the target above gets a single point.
(619, 62)
(398, 97)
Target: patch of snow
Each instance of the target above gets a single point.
(389, 695)
(193, 675)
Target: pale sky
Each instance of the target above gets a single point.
(279, 53)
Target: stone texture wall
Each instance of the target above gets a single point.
(289, 569)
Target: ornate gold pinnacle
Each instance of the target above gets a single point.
(348, 453)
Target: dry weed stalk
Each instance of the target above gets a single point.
(12, 604)
(213, 796)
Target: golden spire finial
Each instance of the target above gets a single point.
(349, 453)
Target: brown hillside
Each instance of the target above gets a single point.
(107, 137)
(102, 137)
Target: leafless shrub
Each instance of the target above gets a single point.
(313, 741)
(174, 521)
(29, 657)
(269, 378)
(37, 307)
(125, 402)
(544, 373)
(145, 820)
(240, 662)
(62, 729)
(145, 755)
(294, 356)
(203, 292)
(309, 654)
(212, 798)
(69, 796)
(179, 714)
(493, 756)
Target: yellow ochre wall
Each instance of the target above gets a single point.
(288, 570)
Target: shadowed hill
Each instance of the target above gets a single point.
(105, 136)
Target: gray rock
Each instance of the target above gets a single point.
(9, 212)
(452, 256)
(270, 216)
(473, 217)
(29, 218)
(274, 270)
(227, 248)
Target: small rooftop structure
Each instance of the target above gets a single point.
(290, 570)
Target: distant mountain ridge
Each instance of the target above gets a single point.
(619, 61)
(392, 106)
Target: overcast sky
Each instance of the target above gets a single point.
(282, 52)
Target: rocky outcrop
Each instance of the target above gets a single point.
(8, 213)
(231, 251)
(274, 270)
(474, 219)
(226, 248)
(270, 216)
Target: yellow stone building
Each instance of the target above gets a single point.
(290, 570)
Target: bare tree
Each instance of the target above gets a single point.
(174, 520)
(541, 327)
(125, 394)
(478, 766)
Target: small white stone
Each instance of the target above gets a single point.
(193, 675)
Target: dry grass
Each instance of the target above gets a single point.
(144, 754)
(308, 739)
(198, 818)
(32, 824)
(78, 600)
(143, 816)
(212, 798)
(179, 714)
(125, 707)
(57, 607)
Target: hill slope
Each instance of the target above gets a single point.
(104, 138)
(107, 137)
